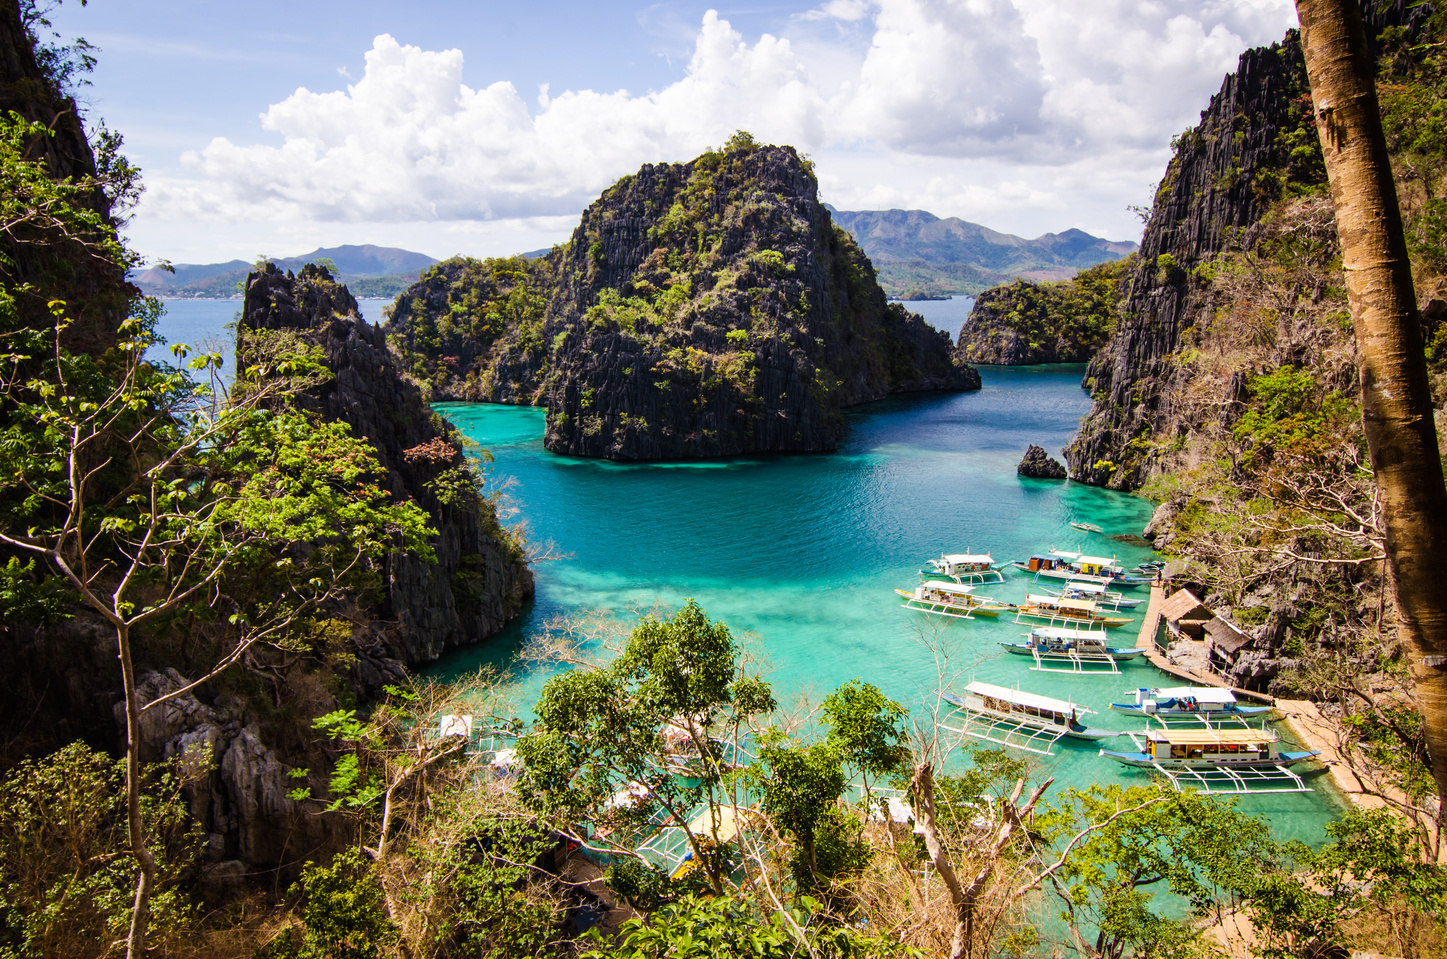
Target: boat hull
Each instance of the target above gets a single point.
(1055, 619)
(1142, 761)
(1112, 652)
(1131, 709)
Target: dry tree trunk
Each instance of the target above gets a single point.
(1397, 413)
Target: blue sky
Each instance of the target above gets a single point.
(484, 128)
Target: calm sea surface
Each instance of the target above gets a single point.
(802, 553)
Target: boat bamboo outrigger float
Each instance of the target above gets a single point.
(950, 599)
(1017, 719)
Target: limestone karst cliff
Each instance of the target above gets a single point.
(703, 309)
(1254, 146)
(1225, 174)
(480, 579)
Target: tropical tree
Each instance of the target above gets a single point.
(1397, 412)
(654, 734)
(145, 494)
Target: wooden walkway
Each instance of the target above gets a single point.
(1151, 625)
(1308, 726)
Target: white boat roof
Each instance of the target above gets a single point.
(948, 587)
(1064, 553)
(1064, 632)
(953, 558)
(1021, 698)
(1080, 586)
(1201, 694)
(1211, 737)
(1097, 560)
(1059, 603)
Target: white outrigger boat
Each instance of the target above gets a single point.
(950, 599)
(1020, 720)
(1097, 593)
(1190, 702)
(1058, 611)
(974, 569)
(1087, 527)
(1064, 564)
(1216, 760)
(1060, 650)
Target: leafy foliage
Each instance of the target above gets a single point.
(66, 882)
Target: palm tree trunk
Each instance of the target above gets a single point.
(1397, 413)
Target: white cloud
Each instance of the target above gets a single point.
(979, 107)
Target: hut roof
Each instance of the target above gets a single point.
(1184, 605)
(1225, 635)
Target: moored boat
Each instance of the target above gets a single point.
(1087, 527)
(968, 568)
(1185, 701)
(1096, 593)
(1065, 564)
(1082, 643)
(950, 599)
(1027, 710)
(1209, 748)
(1057, 611)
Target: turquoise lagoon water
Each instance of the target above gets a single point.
(804, 552)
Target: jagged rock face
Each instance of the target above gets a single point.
(237, 787)
(1210, 190)
(1024, 322)
(480, 579)
(96, 291)
(700, 309)
(1038, 464)
(1226, 173)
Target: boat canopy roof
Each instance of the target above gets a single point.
(1097, 560)
(949, 587)
(956, 558)
(1084, 605)
(1081, 586)
(1201, 694)
(1064, 554)
(1064, 632)
(1211, 737)
(1021, 698)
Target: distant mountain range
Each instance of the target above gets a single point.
(918, 255)
(367, 271)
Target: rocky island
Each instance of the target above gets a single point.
(703, 309)
(1062, 322)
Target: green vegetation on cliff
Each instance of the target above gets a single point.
(1064, 322)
